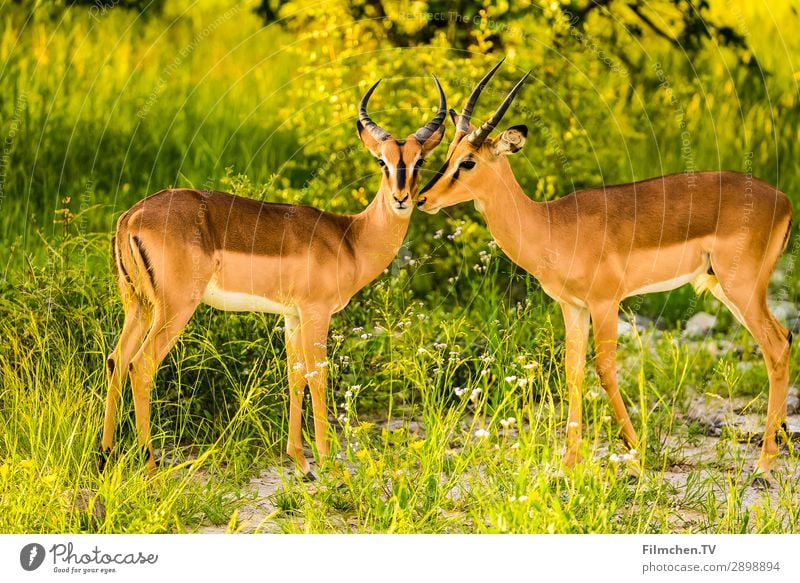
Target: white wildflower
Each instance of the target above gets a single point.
(481, 433)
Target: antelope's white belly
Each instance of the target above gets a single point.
(234, 301)
(696, 278)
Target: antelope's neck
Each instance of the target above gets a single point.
(377, 235)
(518, 224)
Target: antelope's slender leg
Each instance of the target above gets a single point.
(296, 369)
(314, 323)
(749, 306)
(604, 325)
(137, 322)
(167, 326)
(576, 323)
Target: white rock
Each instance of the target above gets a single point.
(793, 402)
(700, 324)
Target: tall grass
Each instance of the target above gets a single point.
(447, 381)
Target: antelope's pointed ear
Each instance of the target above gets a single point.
(433, 141)
(373, 145)
(510, 141)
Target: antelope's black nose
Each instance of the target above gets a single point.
(422, 201)
(400, 201)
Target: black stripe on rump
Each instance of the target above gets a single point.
(146, 259)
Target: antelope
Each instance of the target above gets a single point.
(720, 231)
(182, 247)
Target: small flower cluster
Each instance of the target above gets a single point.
(455, 234)
(485, 258)
(631, 455)
(510, 422)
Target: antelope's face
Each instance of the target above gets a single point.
(400, 160)
(470, 172)
(475, 162)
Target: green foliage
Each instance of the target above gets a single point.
(99, 109)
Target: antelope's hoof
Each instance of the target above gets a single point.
(761, 482)
(309, 476)
(102, 459)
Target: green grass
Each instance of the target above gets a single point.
(219, 418)
(451, 321)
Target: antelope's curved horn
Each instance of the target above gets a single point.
(477, 137)
(375, 130)
(466, 113)
(426, 131)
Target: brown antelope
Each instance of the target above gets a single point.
(721, 231)
(181, 247)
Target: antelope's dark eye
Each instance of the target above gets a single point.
(381, 163)
(420, 162)
(467, 164)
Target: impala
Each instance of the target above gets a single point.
(179, 248)
(721, 231)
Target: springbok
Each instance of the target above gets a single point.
(181, 247)
(721, 231)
